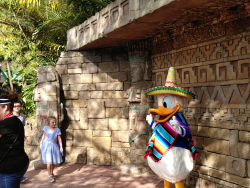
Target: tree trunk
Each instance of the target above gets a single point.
(9, 75)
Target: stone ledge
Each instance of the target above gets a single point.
(122, 21)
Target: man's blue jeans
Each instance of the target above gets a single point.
(12, 180)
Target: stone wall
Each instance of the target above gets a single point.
(48, 103)
(94, 84)
(218, 72)
(211, 56)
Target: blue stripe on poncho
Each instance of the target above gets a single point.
(164, 137)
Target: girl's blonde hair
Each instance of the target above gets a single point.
(50, 118)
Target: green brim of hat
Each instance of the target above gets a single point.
(171, 90)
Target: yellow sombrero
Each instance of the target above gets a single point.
(170, 87)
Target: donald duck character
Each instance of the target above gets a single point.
(170, 151)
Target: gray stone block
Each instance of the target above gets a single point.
(37, 164)
(73, 113)
(84, 95)
(101, 133)
(236, 166)
(71, 94)
(217, 133)
(93, 59)
(62, 69)
(244, 150)
(120, 156)
(79, 87)
(102, 150)
(82, 138)
(89, 68)
(98, 124)
(120, 136)
(217, 146)
(100, 77)
(96, 108)
(233, 142)
(108, 67)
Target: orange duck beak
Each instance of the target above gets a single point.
(164, 113)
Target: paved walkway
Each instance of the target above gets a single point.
(89, 176)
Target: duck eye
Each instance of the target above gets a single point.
(166, 102)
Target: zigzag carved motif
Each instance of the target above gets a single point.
(216, 51)
(225, 97)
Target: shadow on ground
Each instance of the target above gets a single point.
(89, 176)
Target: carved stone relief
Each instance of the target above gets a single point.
(218, 71)
(141, 74)
(47, 97)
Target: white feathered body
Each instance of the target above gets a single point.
(174, 166)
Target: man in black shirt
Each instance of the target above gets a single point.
(13, 159)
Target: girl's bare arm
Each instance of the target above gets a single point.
(60, 142)
(43, 136)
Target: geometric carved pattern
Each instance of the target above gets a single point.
(225, 96)
(225, 72)
(213, 61)
(214, 52)
(205, 73)
(220, 106)
(160, 79)
(243, 68)
(191, 76)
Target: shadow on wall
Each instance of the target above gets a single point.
(215, 132)
(90, 106)
(88, 112)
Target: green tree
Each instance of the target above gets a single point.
(33, 33)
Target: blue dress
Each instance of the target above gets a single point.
(50, 149)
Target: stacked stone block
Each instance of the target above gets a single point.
(94, 85)
(211, 58)
(218, 72)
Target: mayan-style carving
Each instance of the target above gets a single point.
(159, 78)
(198, 57)
(231, 46)
(158, 61)
(141, 75)
(211, 115)
(219, 52)
(224, 71)
(243, 68)
(47, 96)
(191, 115)
(47, 99)
(189, 75)
(137, 73)
(180, 59)
(188, 54)
(243, 47)
(172, 58)
(207, 50)
(212, 93)
(135, 92)
(206, 74)
(137, 124)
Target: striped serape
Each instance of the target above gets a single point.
(164, 137)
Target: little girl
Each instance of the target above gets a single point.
(50, 150)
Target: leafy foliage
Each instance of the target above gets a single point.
(33, 33)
